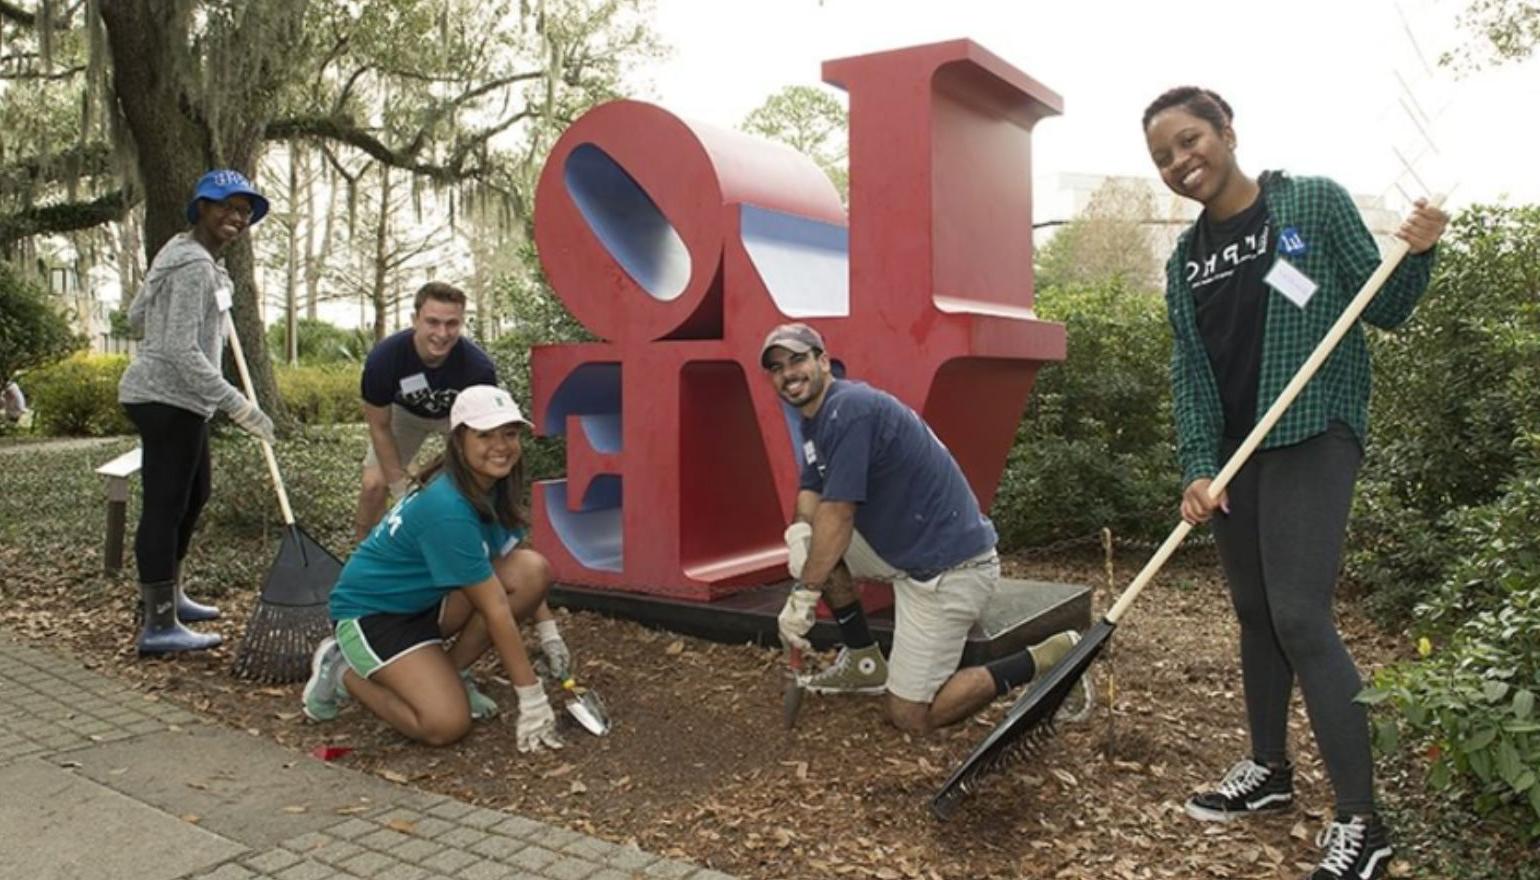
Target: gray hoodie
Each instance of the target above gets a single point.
(184, 332)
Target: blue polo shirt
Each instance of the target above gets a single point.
(913, 504)
(430, 544)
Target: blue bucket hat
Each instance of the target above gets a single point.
(218, 185)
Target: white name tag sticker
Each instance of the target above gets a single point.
(413, 383)
(222, 296)
(1292, 283)
(808, 452)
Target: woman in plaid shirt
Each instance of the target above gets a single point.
(1251, 287)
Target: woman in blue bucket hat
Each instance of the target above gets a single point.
(172, 389)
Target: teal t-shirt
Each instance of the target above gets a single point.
(431, 543)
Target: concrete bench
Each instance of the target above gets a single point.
(116, 474)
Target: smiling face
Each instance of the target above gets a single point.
(220, 223)
(1194, 158)
(436, 328)
(490, 455)
(801, 379)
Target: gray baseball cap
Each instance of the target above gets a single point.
(794, 337)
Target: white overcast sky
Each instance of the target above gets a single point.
(1314, 83)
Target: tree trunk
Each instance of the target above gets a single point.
(377, 291)
(291, 275)
(184, 120)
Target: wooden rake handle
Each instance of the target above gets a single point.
(1393, 257)
(251, 395)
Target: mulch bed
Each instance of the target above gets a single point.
(698, 765)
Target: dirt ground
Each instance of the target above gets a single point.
(698, 765)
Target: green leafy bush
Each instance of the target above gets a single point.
(1097, 446)
(33, 332)
(1472, 699)
(78, 397)
(321, 342)
(321, 395)
(1454, 390)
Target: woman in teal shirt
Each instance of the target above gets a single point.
(444, 564)
(1251, 288)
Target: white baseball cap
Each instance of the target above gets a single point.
(484, 407)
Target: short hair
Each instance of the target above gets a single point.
(1202, 103)
(438, 290)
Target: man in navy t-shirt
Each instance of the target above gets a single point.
(410, 381)
(881, 498)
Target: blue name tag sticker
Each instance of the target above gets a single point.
(1291, 242)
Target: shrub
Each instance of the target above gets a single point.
(1096, 447)
(32, 332)
(1472, 699)
(321, 342)
(321, 395)
(1454, 390)
(79, 396)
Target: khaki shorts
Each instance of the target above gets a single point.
(931, 619)
(410, 432)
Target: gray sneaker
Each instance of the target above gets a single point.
(859, 671)
(324, 692)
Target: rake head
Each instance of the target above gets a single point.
(1026, 728)
(291, 616)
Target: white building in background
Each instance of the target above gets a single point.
(1172, 213)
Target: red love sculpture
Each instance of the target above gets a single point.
(680, 245)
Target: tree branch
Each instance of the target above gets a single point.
(68, 217)
(90, 161)
(345, 131)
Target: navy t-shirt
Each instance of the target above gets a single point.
(913, 504)
(393, 373)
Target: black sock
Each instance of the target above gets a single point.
(1010, 671)
(852, 624)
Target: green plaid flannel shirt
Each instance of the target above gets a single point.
(1340, 255)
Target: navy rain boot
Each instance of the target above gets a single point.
(187, 610)
(162, 632)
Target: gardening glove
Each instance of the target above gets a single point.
(558, 660)
(799, 540)
(399, 488)
(254, 421)
(796, 617)
(537, 723)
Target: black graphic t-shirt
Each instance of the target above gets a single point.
(1226, 264)
(393, 373)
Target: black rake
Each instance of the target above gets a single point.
(1029, 724)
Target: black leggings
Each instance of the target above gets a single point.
(1281, 546)
(175, 475)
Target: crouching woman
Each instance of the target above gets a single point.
(443, 564)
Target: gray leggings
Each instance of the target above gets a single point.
(1281, 546)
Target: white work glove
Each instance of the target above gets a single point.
(558, 660)
(537, 723)
(253, 421)
(799, 540)
(399, 488)
(796, 617)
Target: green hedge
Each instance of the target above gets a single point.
(321, 395)
(78, 397)
(1096, 448)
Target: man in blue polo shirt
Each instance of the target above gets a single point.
(410, 381)
(881, 498)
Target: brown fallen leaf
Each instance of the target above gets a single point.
(393, 776)
(402, 825)
(295, 809)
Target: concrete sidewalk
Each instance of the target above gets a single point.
(96, 780)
